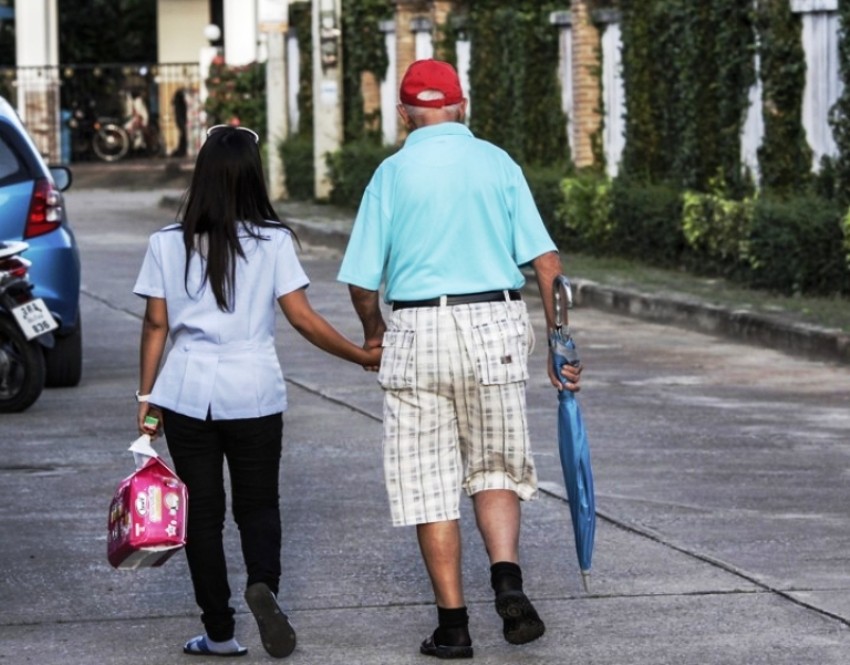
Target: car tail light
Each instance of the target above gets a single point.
(45, 214)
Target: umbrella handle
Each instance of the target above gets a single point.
(561, 283)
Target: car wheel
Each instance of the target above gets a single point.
(21, 368)
(65, 360)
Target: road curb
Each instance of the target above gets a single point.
(742, 325)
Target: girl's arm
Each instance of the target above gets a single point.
(154, 335)
(316, 330)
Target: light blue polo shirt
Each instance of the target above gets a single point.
(224, 362)
(447, 214)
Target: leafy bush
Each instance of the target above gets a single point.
(583, 218)
(545, 185)
(845, 229)
(237, 95)
(716, 230)
(297, 155)
(351, 169)
(647, 222)
(797, 246)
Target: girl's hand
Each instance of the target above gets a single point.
(148, 411)
(373, 361)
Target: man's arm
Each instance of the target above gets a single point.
(368, 307)
(547, 267)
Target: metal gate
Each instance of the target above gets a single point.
(53, 100)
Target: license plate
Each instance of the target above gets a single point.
(34, 318)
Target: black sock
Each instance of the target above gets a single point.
(453, 630)
(505, 576)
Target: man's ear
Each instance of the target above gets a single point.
(405, 117)
(461, 113)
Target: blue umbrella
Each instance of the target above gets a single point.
(572, 438)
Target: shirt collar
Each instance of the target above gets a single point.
(440, 129)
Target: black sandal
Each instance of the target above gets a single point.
(430, 648)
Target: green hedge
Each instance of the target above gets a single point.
(297, 155)
(351, 169)
(545, 185)
(790, 245)
(796, 246)
(648, 222)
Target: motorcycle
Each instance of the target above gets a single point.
(26, 326)
(109, 138)
(96, 135)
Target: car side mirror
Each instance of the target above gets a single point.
(62, 177)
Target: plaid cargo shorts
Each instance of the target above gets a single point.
(454, 407)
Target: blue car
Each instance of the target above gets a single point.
(32, 210)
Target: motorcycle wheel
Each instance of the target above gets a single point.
(21, 368)
(111, 143)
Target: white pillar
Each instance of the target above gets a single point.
(423, 38)
(463, 51)
(37, 45)
(613, 96)
(821, 30)
(240, 32)
(293, 76)
(389, 87)
(276, 112)
(564, 22)
(327, 89)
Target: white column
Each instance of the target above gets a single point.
(613, 98)
(240, 32)
(327, 89)
(423, 40)
(276, 112)
(389, 87)
(752, 132)
(37, 45)
(823, 81)
(293, 77)
(564, 22)
(463, 52)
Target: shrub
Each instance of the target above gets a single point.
(545, 185)
(796, 246)
(583, 219)
(237, 95)
(351, 169)
(648, 222)
(716, 231)
(845, 229)
(297, 155)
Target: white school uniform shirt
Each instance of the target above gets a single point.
(222, 363)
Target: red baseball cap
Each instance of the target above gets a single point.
(433, 75)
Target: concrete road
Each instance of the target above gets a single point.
(722, 491)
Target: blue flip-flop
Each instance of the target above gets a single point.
(198, 646)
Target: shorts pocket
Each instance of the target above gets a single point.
(501, 351)
(398, 370)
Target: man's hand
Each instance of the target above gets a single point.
(572, 374)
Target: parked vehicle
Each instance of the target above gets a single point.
(25, 324)
(32, 210)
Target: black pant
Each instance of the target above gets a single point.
(252, 449)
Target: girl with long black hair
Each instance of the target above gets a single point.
(212, 283)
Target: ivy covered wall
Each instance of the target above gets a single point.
(514, 89)
(785, 159)
(364, 50)
(687, 71)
